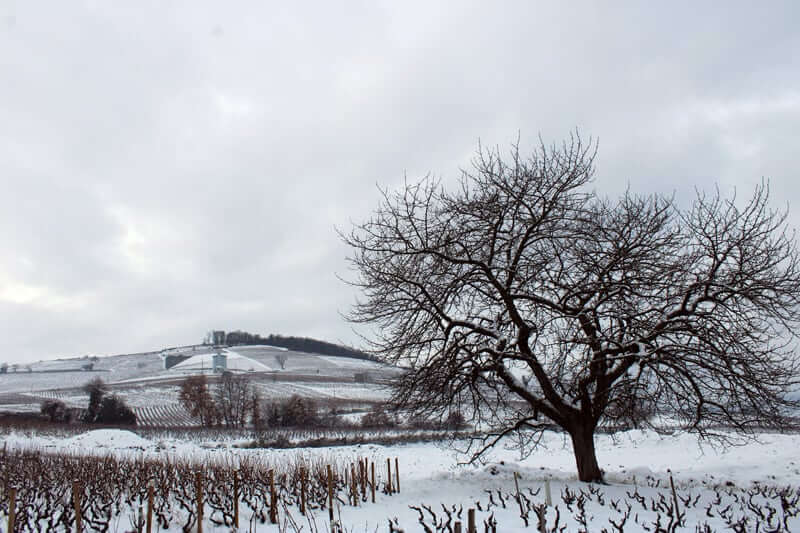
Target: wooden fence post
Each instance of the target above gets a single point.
(12, 508)
(236, 498)
(330, 493)
(471, 521)
(273, 499)
(548, 498)
(302, 491)
(373, 481)
(150, 491)
(354, 485)
(362, 468)
(397, 474)
(198, 488)
(457, 527)
(76, 502)
(389, 476)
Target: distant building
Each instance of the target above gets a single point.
(220, 362)
(224, 360)
(215, 338)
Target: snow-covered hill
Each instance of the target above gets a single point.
(153, 391)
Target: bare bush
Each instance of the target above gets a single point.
(56, 411)
(296, 411)
(114, 410)
(378, 417)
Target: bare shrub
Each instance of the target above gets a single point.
(114, 410)
(378, 418)
(56, 411)
(296, 411)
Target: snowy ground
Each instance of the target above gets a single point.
(430, 475)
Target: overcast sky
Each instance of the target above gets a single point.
(171, 167)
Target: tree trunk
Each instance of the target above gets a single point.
(585, 456)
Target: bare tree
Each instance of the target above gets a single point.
(538, 302)
(233, 397)
(196, 399)
(96, 389)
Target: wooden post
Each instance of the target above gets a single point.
(372, 486)
(236, 498)
(362, 467)
(330, 493)
(150, 491)
(12, 508)
(198, 488)
(471, 521)
(273, 499)
(457, 527)
(548, 498)
(354, 485)
(302, 491)
(76, 501)
(389, 476)
(348, 485)
(397, 474)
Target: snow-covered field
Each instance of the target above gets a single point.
(717, 487)
(744, 488)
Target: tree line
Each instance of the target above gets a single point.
(233, 401)
(297, 344)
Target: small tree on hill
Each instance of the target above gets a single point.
(196, 399)
(535, 301)
(96, 389)
(233, 397)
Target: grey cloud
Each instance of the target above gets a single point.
(169, 168)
